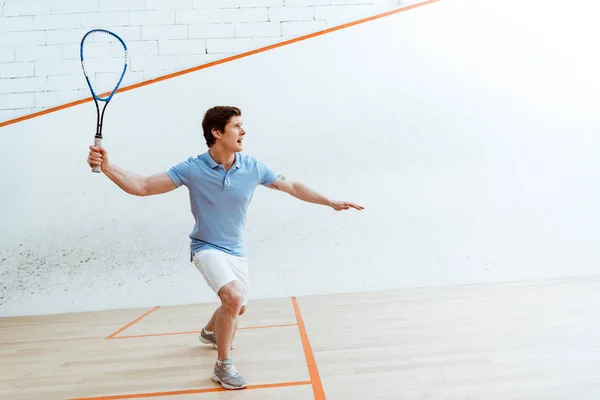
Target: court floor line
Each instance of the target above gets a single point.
(222, 61)
(112, 335)
(197, 332)
(315, 380)
(138, 319)
(191, 391)
(313, 371)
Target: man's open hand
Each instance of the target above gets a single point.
(344, 205)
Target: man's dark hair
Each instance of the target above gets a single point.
(216, 118)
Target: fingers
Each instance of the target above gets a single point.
(94, 161)
(356, 206)
(97, 149)
(347, 205)
(96, 156)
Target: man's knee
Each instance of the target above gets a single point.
(232, 297)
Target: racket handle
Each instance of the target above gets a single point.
(97, 143)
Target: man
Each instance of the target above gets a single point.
(221, 182)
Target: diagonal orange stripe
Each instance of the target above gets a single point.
(266, 326)
(313, 371)
(196, 332)
(222, 61)
(156, 334)
(112, 335)
(193, 391)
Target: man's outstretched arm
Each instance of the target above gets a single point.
(304, 193)
(131, 183)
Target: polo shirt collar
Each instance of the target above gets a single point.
(213, 164)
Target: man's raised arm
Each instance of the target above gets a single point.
(131, 183)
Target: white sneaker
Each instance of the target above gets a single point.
(228, 376)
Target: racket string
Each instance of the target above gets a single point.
(104, 59)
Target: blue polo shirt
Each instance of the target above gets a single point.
(219, 199)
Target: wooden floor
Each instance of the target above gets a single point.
(531, 340)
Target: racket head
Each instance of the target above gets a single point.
(104, 61)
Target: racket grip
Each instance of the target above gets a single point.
(97, 143)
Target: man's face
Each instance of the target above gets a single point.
(232, 138)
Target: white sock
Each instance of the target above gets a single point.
(208, 332)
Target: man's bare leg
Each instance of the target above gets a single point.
(225, 371)
(210, 326)
(226, 318)
(242, 311)
(208, 335)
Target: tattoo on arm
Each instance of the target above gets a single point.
(274, 186)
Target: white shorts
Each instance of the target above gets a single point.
(219, 268)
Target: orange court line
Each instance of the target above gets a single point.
(196, 332)
(224, 60)
(266, 326)
(112, 335)
(313, 371)
(193, 391)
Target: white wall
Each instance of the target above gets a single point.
(39, 39)
(469, 133)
